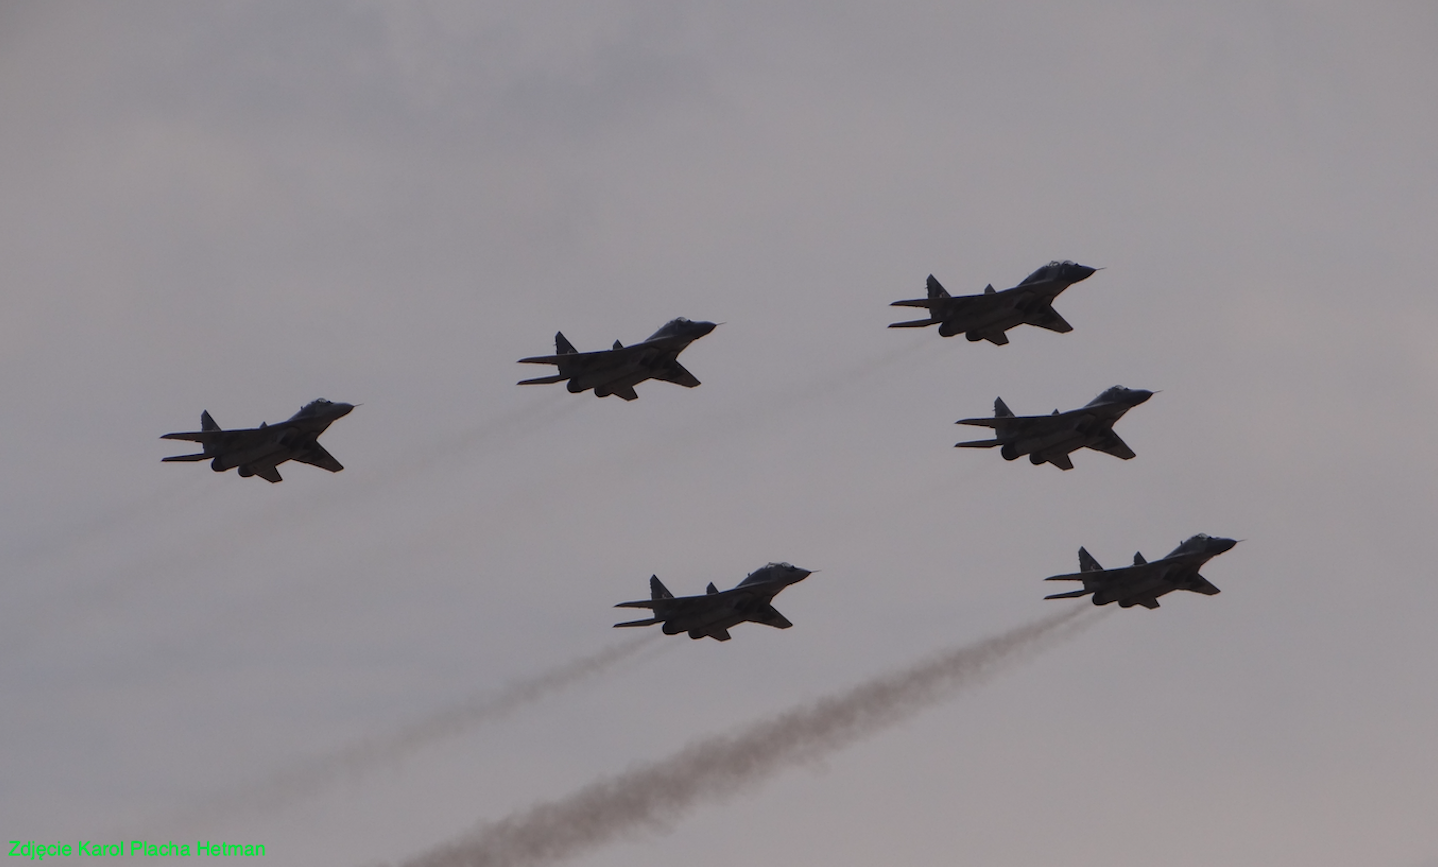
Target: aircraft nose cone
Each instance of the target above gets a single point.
(1083, 272)
(703, 328)
(343, 409)
(1139, 395)
(1225, 544)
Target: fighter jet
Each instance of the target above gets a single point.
(715, 612)
(258, 450)
(618, 370)
(1143, 582)
(1050, 438)
(989, 315)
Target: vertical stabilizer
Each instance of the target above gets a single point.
(1087, 563)
(562, 346)
(989, 290)
(207, 423)
(936, 289)
(1001, 409)
(712, 589)
(657, 590)
(1138, 559)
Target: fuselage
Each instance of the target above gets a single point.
(1072, 430)
(623, 368)
(1024, 304)
(738, 605)
(285, 440)
(1177, 570)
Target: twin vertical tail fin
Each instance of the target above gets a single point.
(658, 593)
(562, 346)
(1090, 585)
(207, 423)
(936, 289)
(1001, 409)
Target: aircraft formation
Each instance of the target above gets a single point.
(986, 316)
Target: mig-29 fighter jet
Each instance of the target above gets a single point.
(987, 316)
(1143, 582)
(618, 370)
(1050, 438)
(258, 450)
(715, 612)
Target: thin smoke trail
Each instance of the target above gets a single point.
(655, 795)
(107, 588)
(310, 777)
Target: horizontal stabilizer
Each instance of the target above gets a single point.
(1061, 461)
(638, 603)
(197, 436)
(917, 323)
(268, 472)
(650, 622)
(997, 338)
(978, 444)
(1072, 594)
(913, 302)
(199, 457)
(627, 392)
(558, 377)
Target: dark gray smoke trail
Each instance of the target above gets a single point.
(717, 767)
(284, 788)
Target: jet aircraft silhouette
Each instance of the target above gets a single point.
(1050, 438)
(257, 451)
(988, 315)
(715, 612)
(1143, 582)
(618, 370)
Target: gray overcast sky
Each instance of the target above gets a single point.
(241, 207)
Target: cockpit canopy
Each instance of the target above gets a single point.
(773, 571)
(682, 327)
